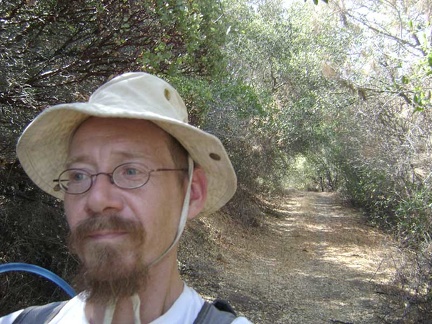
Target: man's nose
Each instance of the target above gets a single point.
(103, 195)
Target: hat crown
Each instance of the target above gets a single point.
(139, 92)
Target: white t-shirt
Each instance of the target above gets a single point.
(184, 310)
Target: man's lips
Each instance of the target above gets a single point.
(106, 235)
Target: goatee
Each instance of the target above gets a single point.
(110, 269)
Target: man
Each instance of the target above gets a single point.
(131, 171)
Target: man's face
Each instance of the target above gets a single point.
(117, 232)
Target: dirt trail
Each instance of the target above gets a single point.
(317, 262)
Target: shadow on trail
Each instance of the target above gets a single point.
(319, 263)
(314, 261)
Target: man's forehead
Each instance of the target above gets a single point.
(115, 155)
(125, 138)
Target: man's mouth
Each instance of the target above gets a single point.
(106, 235)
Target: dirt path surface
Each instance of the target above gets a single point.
(315, 262)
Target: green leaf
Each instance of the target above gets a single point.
(417, 99)
(430, 59)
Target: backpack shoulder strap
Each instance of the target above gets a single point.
(218, 312)
(39, 314)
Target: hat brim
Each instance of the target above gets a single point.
(43, 147)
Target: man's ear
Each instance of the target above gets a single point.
(198, 193)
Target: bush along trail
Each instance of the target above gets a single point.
(313, 260)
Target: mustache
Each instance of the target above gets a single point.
(105, 222)
(111, 222)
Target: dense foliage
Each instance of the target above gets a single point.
(320, 95)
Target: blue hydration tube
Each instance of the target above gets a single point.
(40, 271)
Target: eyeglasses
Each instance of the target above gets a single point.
(125, 176)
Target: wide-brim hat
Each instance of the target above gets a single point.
(43, 147)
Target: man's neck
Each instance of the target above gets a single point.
(162, 290)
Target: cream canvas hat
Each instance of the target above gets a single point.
(43, 147)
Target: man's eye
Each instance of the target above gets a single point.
(77, 176)
(131, 172)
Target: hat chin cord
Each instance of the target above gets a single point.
(136, 301)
